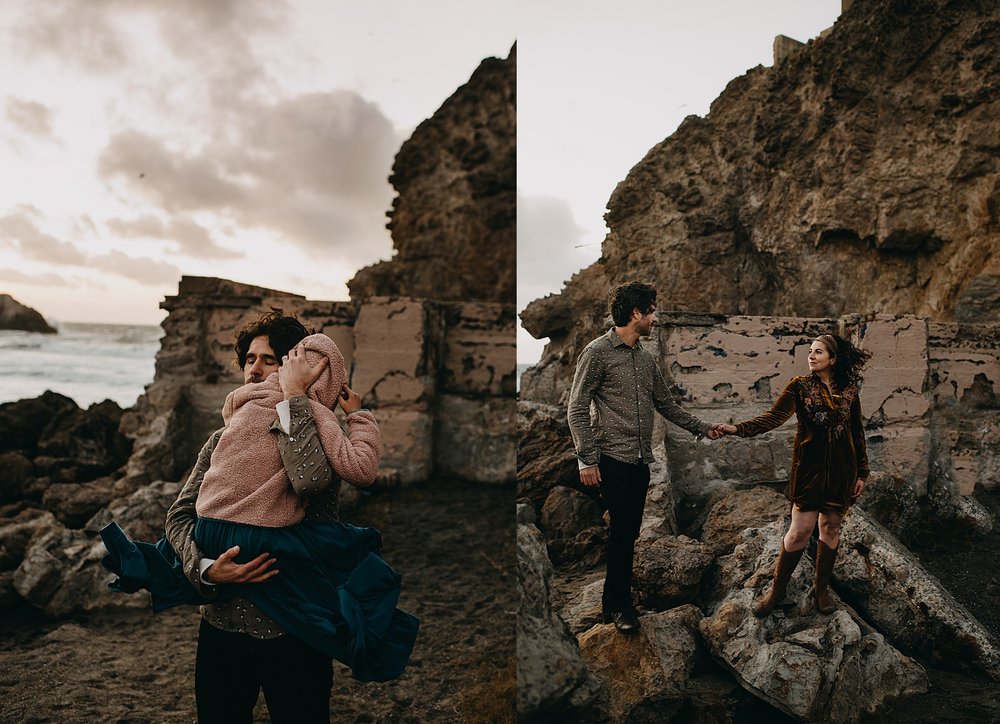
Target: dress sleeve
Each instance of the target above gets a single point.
(667, 406)
(305, 462)
(586, 379)
(181, 518)
(858, 433)
(778, 415)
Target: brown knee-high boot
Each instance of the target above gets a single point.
(825, 558)
(782, 574)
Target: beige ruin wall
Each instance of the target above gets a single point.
(438, 375)
(930, 397)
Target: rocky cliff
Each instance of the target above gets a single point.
(14, 315)
(859, 174)
(453, 222)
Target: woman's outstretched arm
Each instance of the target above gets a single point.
(778, 415)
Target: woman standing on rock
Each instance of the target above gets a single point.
(829, 460)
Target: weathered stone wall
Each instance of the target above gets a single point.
(929, 400)
(439, 376)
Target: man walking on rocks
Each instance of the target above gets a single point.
(616, 388)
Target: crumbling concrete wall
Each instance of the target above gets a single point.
(438, 375)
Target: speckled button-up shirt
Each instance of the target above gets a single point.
(300, 450)
(615, 390)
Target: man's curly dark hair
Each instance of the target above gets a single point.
(283, 332)
(628, 296)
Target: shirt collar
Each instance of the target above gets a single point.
(617, 341)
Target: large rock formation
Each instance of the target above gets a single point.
(14, 315)
(859, 174)
(454, 221)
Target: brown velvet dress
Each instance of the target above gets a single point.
(829, 453)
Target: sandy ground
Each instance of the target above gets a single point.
(454, 545)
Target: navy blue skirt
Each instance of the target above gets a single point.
(333, 591)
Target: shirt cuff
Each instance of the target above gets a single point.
(203, 565)
(284, 416)
(584, 466)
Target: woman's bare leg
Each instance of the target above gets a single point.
(802, 525)
(829, 529)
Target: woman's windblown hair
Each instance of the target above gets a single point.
(850, 361)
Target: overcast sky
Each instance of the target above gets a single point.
(249, 139)
(601, 83)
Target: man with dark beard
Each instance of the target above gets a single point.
(616, 388)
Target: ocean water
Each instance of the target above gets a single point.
(87, 362)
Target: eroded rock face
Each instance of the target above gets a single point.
(552, 680)
(869, 150)
(813, 667)
(646, 675)
(14, 315)
(454, 221)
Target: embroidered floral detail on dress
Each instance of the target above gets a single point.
(832, 413)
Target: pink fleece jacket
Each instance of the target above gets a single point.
(246, 481)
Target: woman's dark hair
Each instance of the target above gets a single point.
(850, 360)
(282, 332)
(628, 296)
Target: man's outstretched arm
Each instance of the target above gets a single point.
(665, 404)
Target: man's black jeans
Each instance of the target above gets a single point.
(623, 487)
(232, 668)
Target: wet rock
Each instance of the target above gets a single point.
(574, 527)
(741, 509)
(651, 686)
(545, 454)
(8, 594)
(142, 514)
(668, 570)
(892, 502)
(882, 578)
(87, 441)
(813, 667)
(552, 681)
(74, 503)
(14, 315)
(15, 533)
(17, 473)
(23, 421)
(586, 610)
(61, 574)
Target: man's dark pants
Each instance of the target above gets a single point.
(232, 668)
(623, 487)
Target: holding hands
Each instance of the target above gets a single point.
(720, 429)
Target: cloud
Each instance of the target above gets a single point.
(48, 279)
(19, 230)
(30, 117)
(190, 237)
(313, 169)
(98, 35)
(547, 237)
(139, 269)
